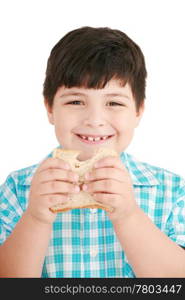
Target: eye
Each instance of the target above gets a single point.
(76, 102)
(112, 103)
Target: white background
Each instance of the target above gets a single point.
(28, 31)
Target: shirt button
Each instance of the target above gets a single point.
(93, 252)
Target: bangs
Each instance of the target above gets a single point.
(94, 68)
(95, 81)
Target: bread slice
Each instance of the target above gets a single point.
(82, 199)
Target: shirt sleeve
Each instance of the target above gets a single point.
(176, 220)
(10, 208)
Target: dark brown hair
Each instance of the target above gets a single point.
(90, 57)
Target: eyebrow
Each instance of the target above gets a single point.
(118, 95)
(84, 94)
(71, 94)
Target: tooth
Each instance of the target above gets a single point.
(93, 139)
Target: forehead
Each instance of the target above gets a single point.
(113, 88)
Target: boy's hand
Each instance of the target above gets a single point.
(51, 184)
(110, 183)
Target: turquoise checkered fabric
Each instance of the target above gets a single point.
(83, 241)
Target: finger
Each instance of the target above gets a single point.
(107, 173)
(55, 187)
(104, 186)
(58, 174)
(55, 163)
(110, 161)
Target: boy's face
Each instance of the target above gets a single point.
(109, 113)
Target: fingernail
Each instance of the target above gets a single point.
(84, 187)
(77, 189)
(76, 177)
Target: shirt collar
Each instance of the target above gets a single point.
(141, 173)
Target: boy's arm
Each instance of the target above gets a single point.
(150, 252)
(22, 254)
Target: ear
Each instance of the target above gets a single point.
(49, 110)
(139, 114)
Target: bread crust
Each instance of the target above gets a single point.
(82, 199)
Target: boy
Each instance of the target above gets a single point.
(94, 94)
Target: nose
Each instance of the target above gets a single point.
(94, 118)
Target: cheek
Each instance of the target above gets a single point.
(64, 124)
(61, 123)
(125, 127)
(123, 124)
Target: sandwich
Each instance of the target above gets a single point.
(82, 199)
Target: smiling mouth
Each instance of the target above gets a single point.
(94, 140)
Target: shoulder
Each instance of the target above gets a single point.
(14, 191)
(166, 176)
(155, 174)
(21, 176)
(24, 176)
(13, 199)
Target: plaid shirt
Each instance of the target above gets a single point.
(83, 241)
